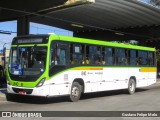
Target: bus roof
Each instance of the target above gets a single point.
(99, 42)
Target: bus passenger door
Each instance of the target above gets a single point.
(58, 63)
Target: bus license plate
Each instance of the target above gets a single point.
(22, 92)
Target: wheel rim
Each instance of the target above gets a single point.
(75, 91)
(131, 87)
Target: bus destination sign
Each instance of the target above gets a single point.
(31, 40)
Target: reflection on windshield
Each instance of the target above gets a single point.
(27, 60)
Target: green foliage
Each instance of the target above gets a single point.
(130, 42)
(155, 2)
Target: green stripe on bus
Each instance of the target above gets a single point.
(99, 42)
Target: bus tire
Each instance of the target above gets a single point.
(76, 91)
(131, 86)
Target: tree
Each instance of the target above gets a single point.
(155, 2)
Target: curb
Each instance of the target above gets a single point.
(158, 83)
(2, 98)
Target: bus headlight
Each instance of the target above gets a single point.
(41, 82)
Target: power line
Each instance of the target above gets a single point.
(6, 32)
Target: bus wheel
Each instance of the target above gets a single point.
(131, 86)
(76, 91)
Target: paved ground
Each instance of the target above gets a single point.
(3, 91)
(146, 99)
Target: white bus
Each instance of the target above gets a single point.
(59, 65)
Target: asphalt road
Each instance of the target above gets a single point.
(146, 99)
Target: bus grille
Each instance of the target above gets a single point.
(28, 91)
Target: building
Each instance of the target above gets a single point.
(7, 57)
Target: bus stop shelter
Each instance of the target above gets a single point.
(98, 19)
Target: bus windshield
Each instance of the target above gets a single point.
(27, 60)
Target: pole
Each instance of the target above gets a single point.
(4, 55)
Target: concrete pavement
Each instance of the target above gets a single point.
(3, 91)
(146, 99)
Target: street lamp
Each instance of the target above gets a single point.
(67, 4)
(78, 2)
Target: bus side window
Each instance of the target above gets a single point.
(62, 57)
(71, 53)
(77, 54)
(94, 55)
(57, 55)
(151, 58)
(126, 62)
(91, 54)
(132, 57)
(97, 56)
(142, 58)
(87, 55)
(83, 55)
(109, 59)
(103, 56)
(120, 56)
(52, 55)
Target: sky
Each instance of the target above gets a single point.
(34, 29)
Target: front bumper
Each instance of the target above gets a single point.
(36, 91)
